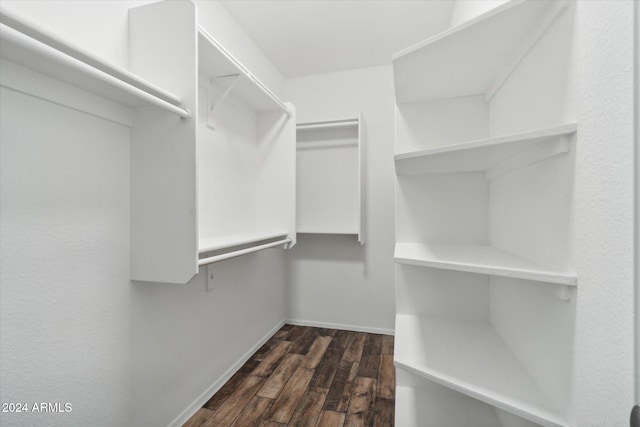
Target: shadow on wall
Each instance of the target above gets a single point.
(341, 248)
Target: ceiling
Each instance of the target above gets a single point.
(305, 37)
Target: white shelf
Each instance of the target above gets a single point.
(32, 47)
(417, 407)
(477, 259)
(216, 62)
(472, 58)
(487, 154)
(231, 240)
(471, 358)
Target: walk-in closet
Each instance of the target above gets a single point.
(411, 213)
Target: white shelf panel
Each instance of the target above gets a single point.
(231, 240)
(466, 60)
(471, 358)
(215, 61)
(29, 46)
(481, 154)
(477, 259)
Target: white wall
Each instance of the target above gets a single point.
(332, 279)
(604, 201)
(74, 328)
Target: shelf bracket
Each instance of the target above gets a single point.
(215, 98)
(210, 277)
(534, 155)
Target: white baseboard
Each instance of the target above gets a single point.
(217, 385)
(327, 325)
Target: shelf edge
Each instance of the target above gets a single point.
(544, 133)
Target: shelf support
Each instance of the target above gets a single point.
(214, 100)
(534, 155)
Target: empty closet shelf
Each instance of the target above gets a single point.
(32, 47)
(489, 155)
(474, 57)
(471, 358)
(477, 259)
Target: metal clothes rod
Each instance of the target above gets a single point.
(31, 38)
(243, 70)
(234, 254)
(328, 124)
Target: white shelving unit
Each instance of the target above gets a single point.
(484, 165)
(179, 212)
(330, 177)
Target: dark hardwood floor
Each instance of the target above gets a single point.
(308, 376)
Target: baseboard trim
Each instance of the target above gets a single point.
(342, 326)
(217, 385)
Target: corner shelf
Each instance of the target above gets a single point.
(471, 358)
(490, 154)
(25, 44)
(330, 200)
(477, 259)
(475, 57)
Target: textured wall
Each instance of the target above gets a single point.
(74, 328)
(332, 279)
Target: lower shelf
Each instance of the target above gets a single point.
(471, 358)
(431, 405)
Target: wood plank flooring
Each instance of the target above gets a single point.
(309, 377)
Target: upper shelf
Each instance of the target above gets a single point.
(487, 154)
(217, 63)
(475, 57)
(477, 259)
(26, 44)
(470, 357)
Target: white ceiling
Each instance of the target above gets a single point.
(304, 37)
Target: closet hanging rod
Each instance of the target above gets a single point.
(243, 70)
(222, 257)
(30, 38)
(330, 124)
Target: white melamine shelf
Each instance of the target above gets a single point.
(471, 358)
(25, 44)
(488, 153)
(231, 240)
(216, 62)
(477, 259)
(475, 57)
